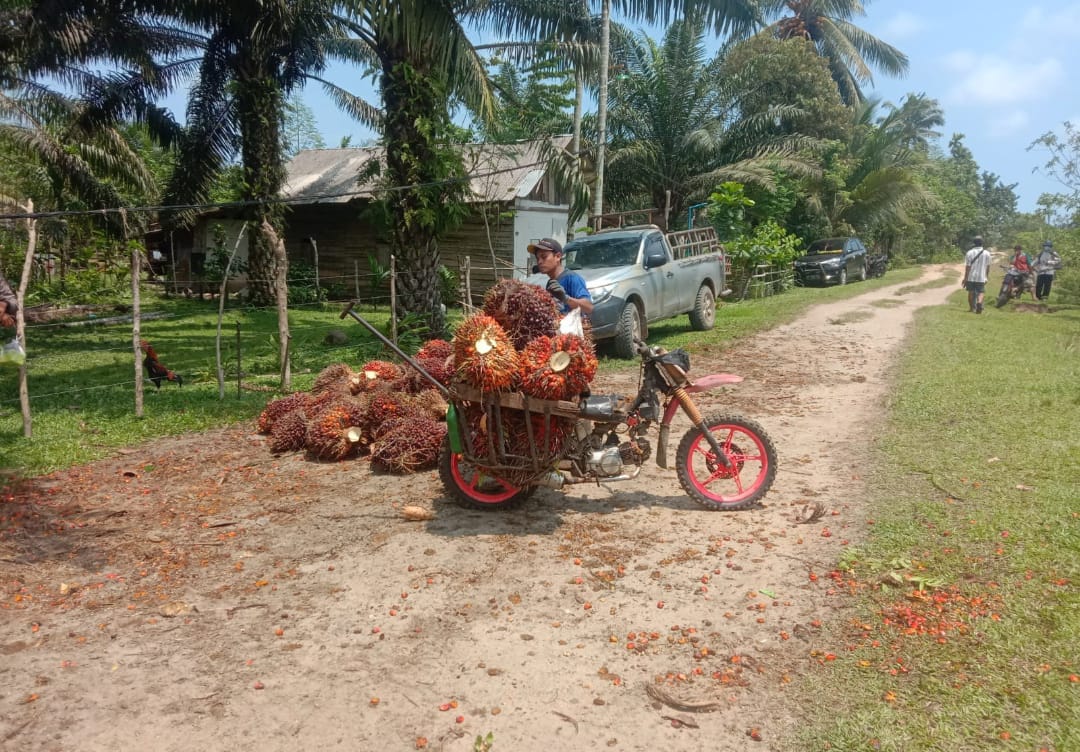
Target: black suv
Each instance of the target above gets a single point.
(832, 260)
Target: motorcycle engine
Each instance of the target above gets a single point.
(609, 461)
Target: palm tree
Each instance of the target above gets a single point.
(881, 183)
(851, 51)
(679, 126)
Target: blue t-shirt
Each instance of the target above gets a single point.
(575, 288)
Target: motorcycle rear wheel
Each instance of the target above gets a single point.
(709, 482)
(471, 486)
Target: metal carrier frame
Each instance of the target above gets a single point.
(498, 458)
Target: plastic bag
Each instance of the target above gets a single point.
(13, 353)
(571, 323)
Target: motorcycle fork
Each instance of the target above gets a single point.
(691, 409)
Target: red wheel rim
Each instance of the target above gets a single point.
(749, 459)
(471, 480)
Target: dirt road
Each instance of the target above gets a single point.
(200, 594)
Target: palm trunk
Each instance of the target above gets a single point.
(264, 175)
(411, 131)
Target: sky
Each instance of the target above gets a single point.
(1000, 69)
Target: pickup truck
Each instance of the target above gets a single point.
(639, 275)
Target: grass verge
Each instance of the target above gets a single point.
(965, 598)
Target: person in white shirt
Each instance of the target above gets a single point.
(976, 272)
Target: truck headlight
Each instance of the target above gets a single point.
(601, 293)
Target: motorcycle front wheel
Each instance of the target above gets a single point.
(1002, 299)
(709, 481)
(471, 486)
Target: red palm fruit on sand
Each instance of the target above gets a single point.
(331, 435)
(336, 378)
(289, 432)
(276, 408)
(408, 444)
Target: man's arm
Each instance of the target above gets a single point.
(577, 295)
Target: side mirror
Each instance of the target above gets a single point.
(654, 259)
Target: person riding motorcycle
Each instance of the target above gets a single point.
(1019, 272)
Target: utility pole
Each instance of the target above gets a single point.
(601, 118)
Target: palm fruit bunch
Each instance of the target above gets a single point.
(375, 373)
(524, 311)
(289, 431)
(435, 348)
(436, 356)
(440, 369)
(331, 434)
(484, 356)
(548, 442)
(276, 408)
(315, 403)
(557, 368)
(384, 405)
(408, 444)
(336, 378)
(431, 403)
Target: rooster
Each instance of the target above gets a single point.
(154, 369)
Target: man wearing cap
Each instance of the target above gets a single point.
(565, 286)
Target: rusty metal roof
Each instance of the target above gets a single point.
(499, 172)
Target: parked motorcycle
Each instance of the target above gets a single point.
(1014, 285)
(724, 461)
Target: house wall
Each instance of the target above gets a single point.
(534, 220)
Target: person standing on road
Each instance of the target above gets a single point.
(976, 272)
(565, 286)
(1046, 263)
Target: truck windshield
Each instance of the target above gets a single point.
(832, 245)
(598, 253)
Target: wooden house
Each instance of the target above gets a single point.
(514, 200)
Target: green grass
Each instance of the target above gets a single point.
(973, 498)
(81, 379)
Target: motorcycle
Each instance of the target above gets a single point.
(723, 462)
(1014, 285)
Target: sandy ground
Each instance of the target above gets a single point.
(201, 594)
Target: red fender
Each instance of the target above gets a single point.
(703, 384)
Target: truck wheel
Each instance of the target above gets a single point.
(843, 276)
(628, 329)
(862, 272)
(703, 317)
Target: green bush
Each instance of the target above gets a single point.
(769, 243)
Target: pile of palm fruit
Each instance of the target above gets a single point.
(392, 413)
(382, 410)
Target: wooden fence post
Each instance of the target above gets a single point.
(393, 299)
(136, 326)
(20, 318)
